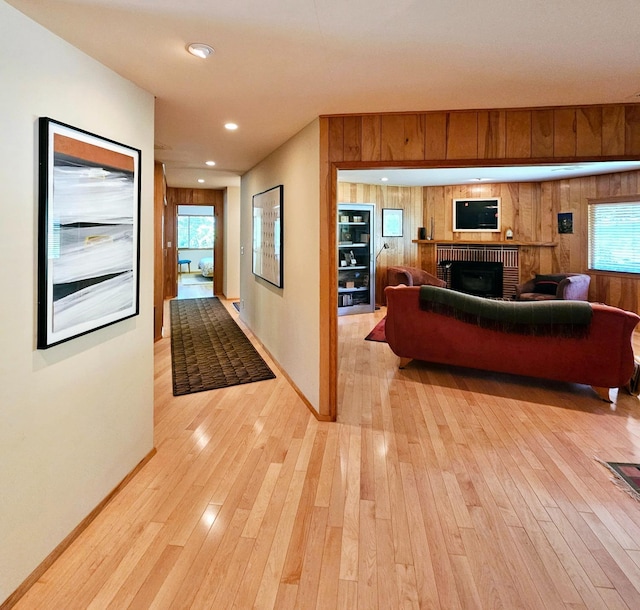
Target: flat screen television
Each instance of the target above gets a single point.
(476, 215)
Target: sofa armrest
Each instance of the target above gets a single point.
(411, 276)
(574, 288)
(397, 276)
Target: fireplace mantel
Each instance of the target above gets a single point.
(510, 242)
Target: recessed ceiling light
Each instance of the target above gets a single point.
(210, 163)
(200, 49)
(200, 180)
(384, 179)
(230, 126)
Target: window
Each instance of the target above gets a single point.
(195, 231)
(614, 235)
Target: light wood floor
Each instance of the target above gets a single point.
(437, 488)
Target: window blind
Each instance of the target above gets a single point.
(614, 236)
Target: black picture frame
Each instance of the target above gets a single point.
(268, 234)
(565, 222)
(477, 215)
(88, 232)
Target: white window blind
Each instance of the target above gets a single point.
(614, 236)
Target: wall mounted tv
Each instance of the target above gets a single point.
(476, 215)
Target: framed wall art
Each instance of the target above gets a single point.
(391, 222)
(267, 235)
(476, 215)
(565, 222)
(88, 232)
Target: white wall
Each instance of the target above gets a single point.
(287, 320)
(74, 419)
(231, 279)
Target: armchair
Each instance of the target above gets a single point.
(412, 276)
(563, 286)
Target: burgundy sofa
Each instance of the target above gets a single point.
(602, 358)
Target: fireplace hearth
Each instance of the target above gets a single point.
(479, 278)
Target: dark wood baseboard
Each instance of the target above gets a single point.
(13, 599)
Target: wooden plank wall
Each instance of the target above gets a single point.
(467, 138)
(529, 209)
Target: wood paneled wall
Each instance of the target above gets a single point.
(182, 196)
(467, 138)
(530, 209)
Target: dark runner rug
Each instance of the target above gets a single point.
(209, 350)
(377, 334)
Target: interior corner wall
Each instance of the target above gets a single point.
(231, 280)
(287, 320)
(77, 418)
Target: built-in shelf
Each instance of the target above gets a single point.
(510, 242)
(356, 263)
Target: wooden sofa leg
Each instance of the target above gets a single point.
(602, 392)
(404, 362)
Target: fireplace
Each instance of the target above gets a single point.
(483, 279)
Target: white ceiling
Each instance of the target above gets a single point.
(483, 175)
(279, 64)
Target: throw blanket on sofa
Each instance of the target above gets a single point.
(564, 318)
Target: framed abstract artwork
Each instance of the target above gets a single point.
(267, 235)
(88, 232)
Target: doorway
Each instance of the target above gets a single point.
(195, 238)
(207, 199)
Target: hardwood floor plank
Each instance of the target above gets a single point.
(264, 541)
(329, 569)
(426, 584)
(351, 522)
(437, 487)
(268, 590)
(386, 566)
(307, 591)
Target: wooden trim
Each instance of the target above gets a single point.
(218, 249)
(328, 390)
(159, 206)
(618, 199)
(13, 599)
(526, 244)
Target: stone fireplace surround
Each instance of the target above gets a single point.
(507, 255)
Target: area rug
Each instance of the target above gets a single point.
(626, 476)
(209, 349)
(377, 334)
(198, 278)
